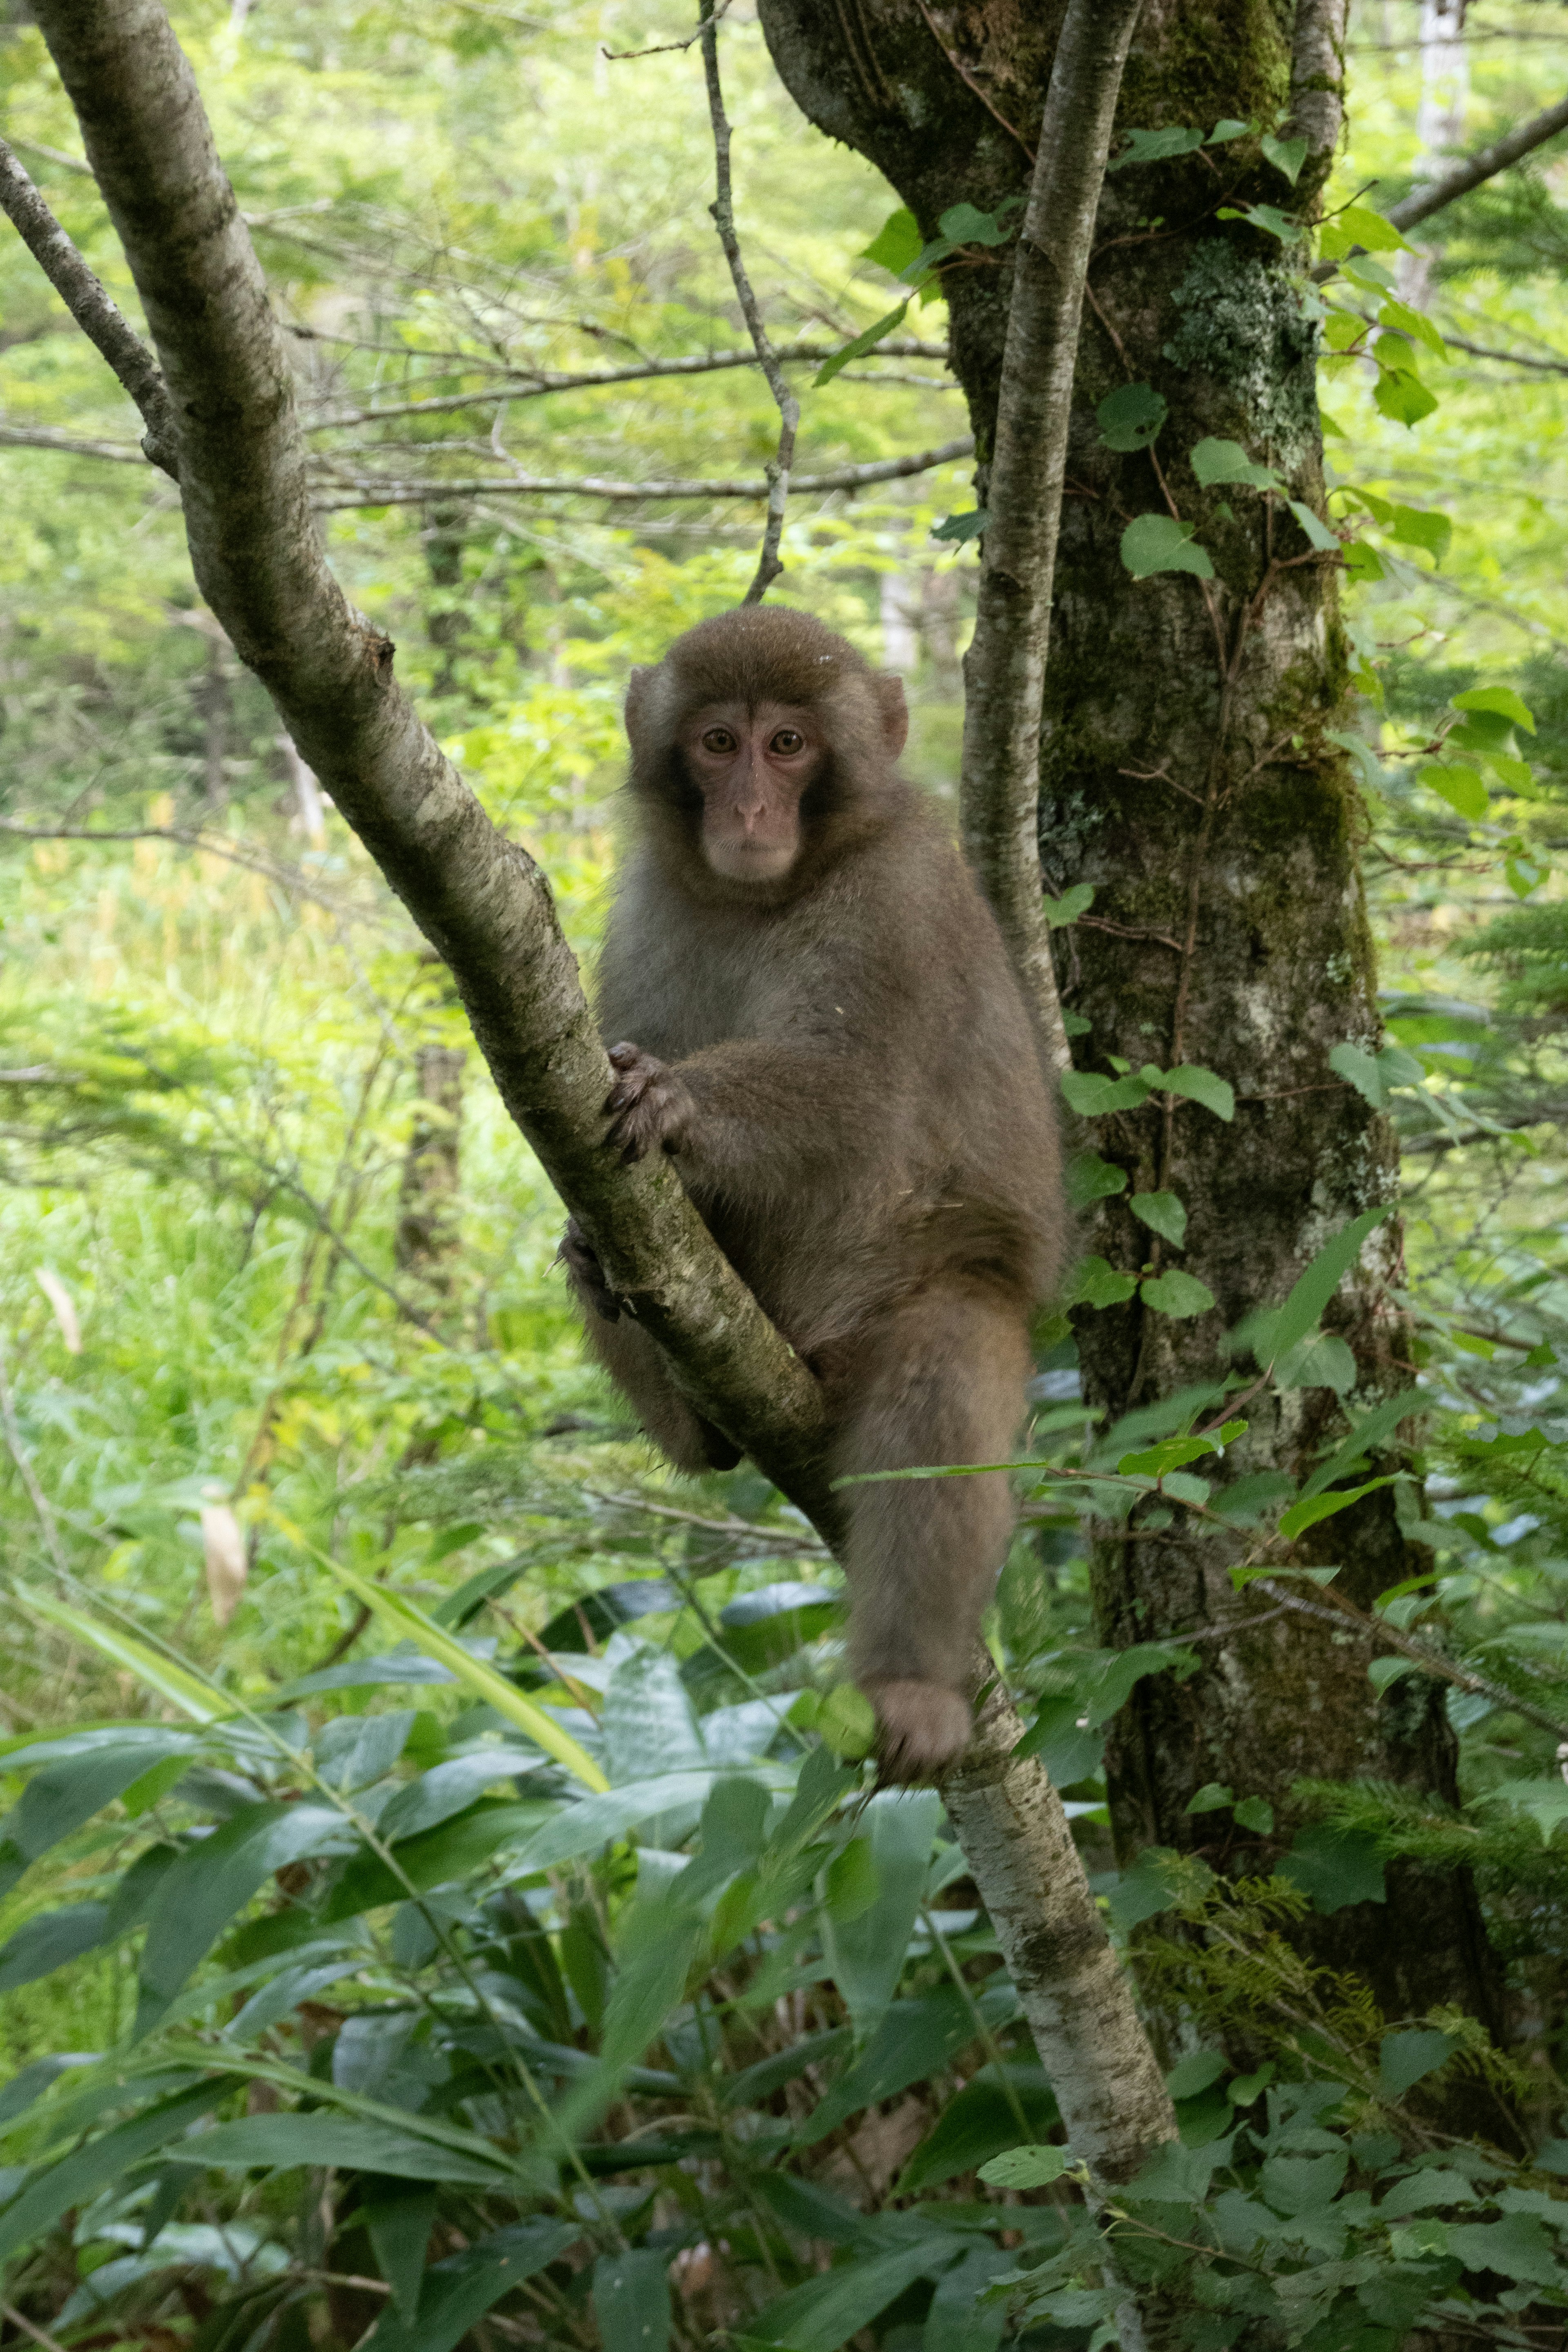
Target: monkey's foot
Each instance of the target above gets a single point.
(576, 1254)
(921, 1728)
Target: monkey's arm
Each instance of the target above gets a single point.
(751, 1108)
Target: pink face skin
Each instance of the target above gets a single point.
(752, 767)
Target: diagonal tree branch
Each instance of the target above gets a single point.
(90, 304)
(1005, 668)
(1422, 202)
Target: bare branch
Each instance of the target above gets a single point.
(1005, 668)
(70, 445)
(1509, 359)
(92, 307)
(481, 900)
(368, 492)
(1422, 202)
(248, 855)
(769, 564)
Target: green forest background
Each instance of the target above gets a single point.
(278, 1287)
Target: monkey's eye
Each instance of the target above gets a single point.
(786, 742)
(718, 739)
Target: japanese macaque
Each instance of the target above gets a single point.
(813, 1013)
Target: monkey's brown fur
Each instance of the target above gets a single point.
(842, 1064)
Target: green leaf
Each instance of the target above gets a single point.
(1154, 542)
(1130, 417)
(1092, 1096)
(1502, 699)
(862, 343)
(631, 2300)
(1303, 2184)
(1025, 2168)
(1462, 789)
(215, 1877)
(48, 1939)
(896, 244)
(1336, 1867)
(1316, 1287)
(1177, 1294)
(648, 1722)
(961, 527)
(1418, 527)
(1096, 1283)
(1162, 1212)
(1144, 1891)
(1255, 1813)
(101, 2163)
(1525, 875)
(1360, 1070)
(846, 1721)
(1311, 1509)
(412, 1624)
(1060, 912)
(1287, 155)
(966, 225)
(826, 2312)
(1156, 146)
(181, 1690)
(1546, 1801)
(915, 2040)
(1226, 461)
(460, 2290)
(865, 1954)
(1405, 2059)
(1323, 1363)
(399, 2216)
(1089, 1178)
(960, 2319)
(981, 2121)
(1214, 1797)
(1199, 2071)
(1517, 2246)
(62, 1794)
(1227, 129)
(1170, 1454)
(1196, 1084)
(282, 2142)
(1268, 217)
(1069, 1747)
(1317, 533)
(1403, 320)
(1357, 224)
(1399, 392)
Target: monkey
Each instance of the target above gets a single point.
(813, 1013)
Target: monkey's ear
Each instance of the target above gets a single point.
(637, 687)
(895, 711)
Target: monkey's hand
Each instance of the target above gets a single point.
(651, 1106)
(577, 1256)
(921, 1728)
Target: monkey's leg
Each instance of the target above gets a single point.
(938, 1380)
(637, 1369)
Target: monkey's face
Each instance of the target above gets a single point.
(751, 764)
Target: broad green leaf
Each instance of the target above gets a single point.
(1092, 1096)
(1336, 1867)
(1162, 1212)
(1359, 1069)
(1403, 320)
(863, 342)
(1255, 1813)
(1061, 1735)
(1153, 1461)
(1316, 1287)
(194, 1699)
(1518, 2247)
(1196, 1084)
(1214, 1797)
(631, 2300)
(1419, 527)
(826, 2312)
(1311, 1509)
(961, 527)
(1303, 2184)
(1096, 1283)
(1399, 392)
(1546, 1801)
(1063, 911)
(915, 2039)
(1025, 2168)
(459, 2291)
(412, 1624)
(1359, 224)
(979, 2123)
(1228, 128)
(846, 1721)
(958, 2320)
(865, 1954)
(966, 225)
(400, 1665)
(1368, 1432)
(1155, 542)
(764, 1627)
(1405, 2059)
(446, 1790)
(1502, 699)
(48, 1939)
(648, 1723)
(214, 1878)
(1145, 1890)
(1287, 155)
(1198, 2071)
(1322, 1363)
(1177, 1294)
(280, 2143)
(1268, 217)
(1156, 146)
(78, 2178)
(62, 1795)
(897, 243)
(1462, 789)
(1317, 533)
(1226, 461)
(1130, 417)
(1089, 1178)
(592, 1822)
(454, 1850)
(1525, 875)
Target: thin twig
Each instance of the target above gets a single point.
(253, 860)
(663, 49)
(367, 492)
(19, 2319)
(92, 307)
(769, 564)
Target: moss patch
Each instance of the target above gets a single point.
(1242, 322)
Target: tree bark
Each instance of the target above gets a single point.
(1188, 772)
(485, 907)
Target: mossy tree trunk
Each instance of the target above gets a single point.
(1188, 772)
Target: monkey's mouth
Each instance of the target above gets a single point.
(750, 861)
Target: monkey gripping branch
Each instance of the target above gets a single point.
(482, 902)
